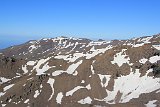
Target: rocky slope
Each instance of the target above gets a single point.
(71, 72)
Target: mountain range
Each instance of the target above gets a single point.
(79, 72)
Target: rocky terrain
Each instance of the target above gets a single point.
(78, 72)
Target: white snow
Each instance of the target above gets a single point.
(24, 68)
(93, 72)
(121, 58)
(69, 57)
(154, 59)
(51, 82)
(96, 52)
(75, 73)
(156, 46)
(106, 77)
(158, 91)
(59, 97)
(151, 104)
(147, 39)
(3, 105)
(88, 87)
(32, 47)
(8, 87)
(36, 94)
(70, 93)
(31, 63)
(138, 45)
(143, 40)
(26, 101)
(143, 60)
(33, 42)
(3, 80)
(82, 81)
(97, 43)
(5, 89)
(75, 56)
(71, 69)
(2, 93)
(86, 100)
(44, 68)
(132, 85)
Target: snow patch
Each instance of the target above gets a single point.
(151, 103)
(59, 97)
(156, 46)
(26, 101)
(31, 63)
(51, 82)
(131, 86)
(86, 100)
(71, 69)
(36, 94)
(121, 58)
(154, 59)
(8, 87)
(104, 79)
(70, 93)
(3, 80)
(143, 60)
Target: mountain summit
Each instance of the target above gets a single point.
(78, 72)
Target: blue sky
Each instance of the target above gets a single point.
(22, 20)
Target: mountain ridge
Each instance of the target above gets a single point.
(69, 72)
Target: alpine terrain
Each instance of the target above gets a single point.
(78, 72)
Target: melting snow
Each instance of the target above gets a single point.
(31, 63)
(59, 97)
(93, 72)
(96, 52)
(79, 55)
(70, 69)
(5, 89)
(104, 79)
(24, 68)
(154, 59)
(156, 46)
(69, 57)
(143, 60)
(3, 80)
(138, 45)
(26, 101)
(8, 87)
(158, 91)
(70, 93)
(32, 47)
(132, 85)
(51, 82)
(151, 104)
(86, 100)
(121, 58)
(44, 68)
(36, 94)
(143, 40)
(82, 81)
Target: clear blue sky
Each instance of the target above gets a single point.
(21, 20)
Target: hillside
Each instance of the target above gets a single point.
(78, 72)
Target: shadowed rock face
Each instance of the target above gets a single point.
(70, 72)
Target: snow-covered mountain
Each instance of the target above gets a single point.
(74, 72)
